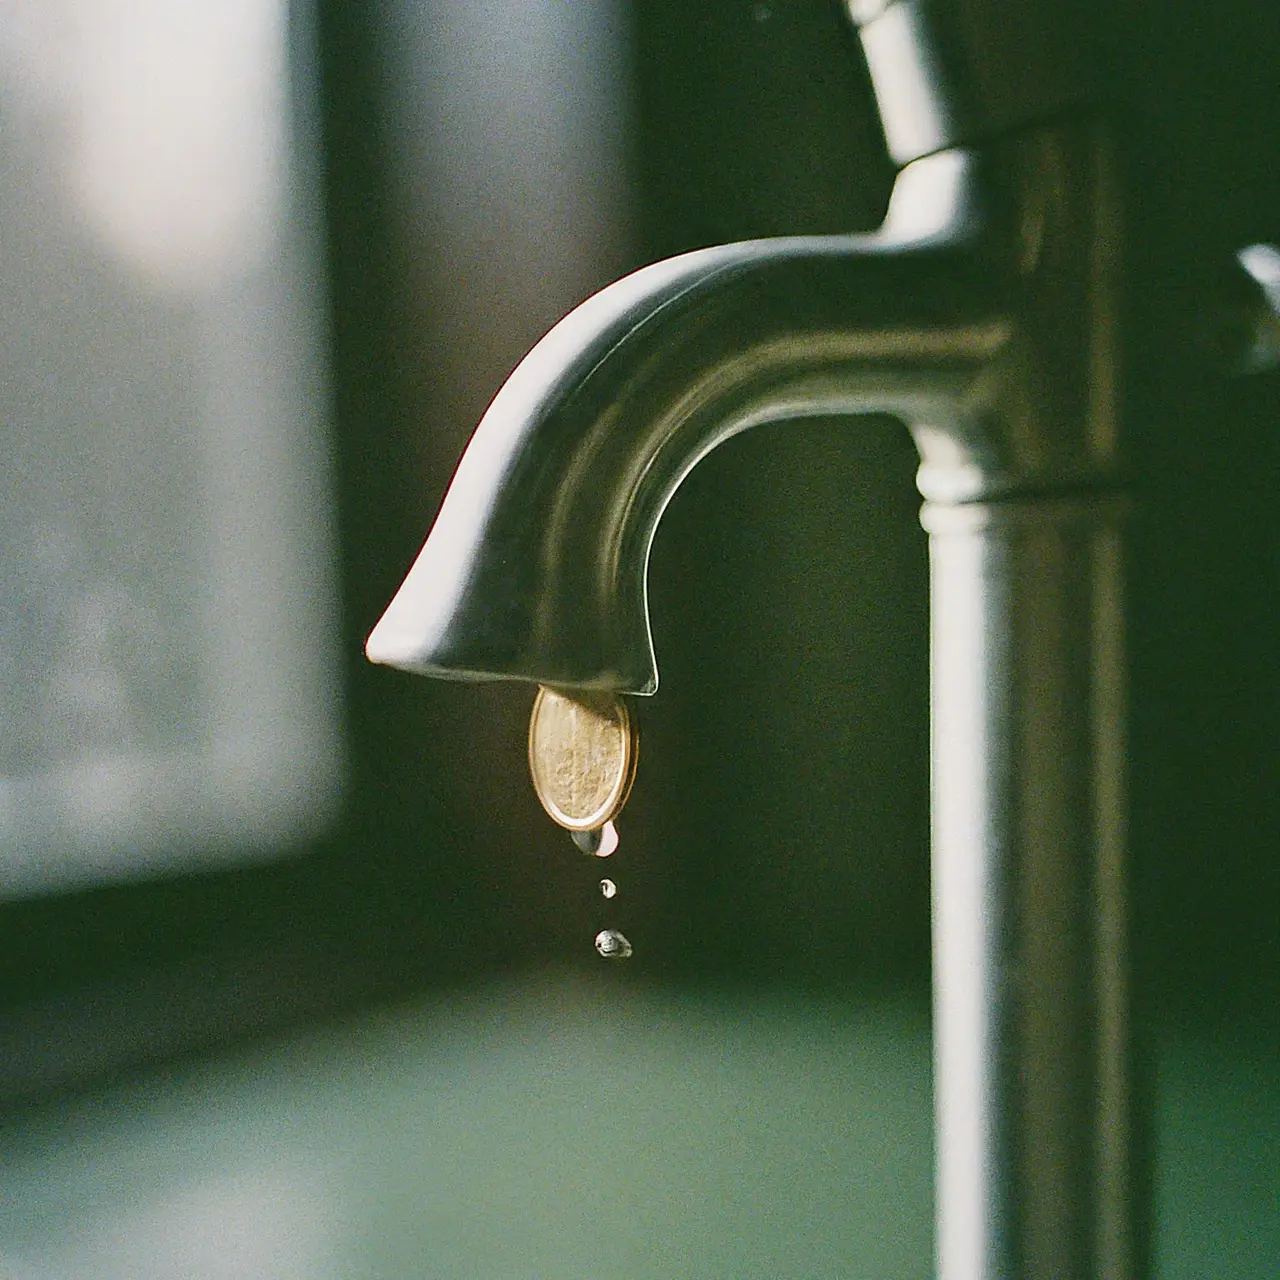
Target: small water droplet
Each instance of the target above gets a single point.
(608, 888)
(612, 945)
(599, 843)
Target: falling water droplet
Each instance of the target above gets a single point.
(587, 841)
(612, 945)
(600, 843)
(608, 888)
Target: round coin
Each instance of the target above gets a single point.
(582, 755)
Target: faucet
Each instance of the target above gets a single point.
(982, 314)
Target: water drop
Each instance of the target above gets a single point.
(608, 888)
(600, 843)
(612, 945)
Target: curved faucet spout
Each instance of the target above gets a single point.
(536, 566)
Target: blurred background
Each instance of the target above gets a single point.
(296, 978)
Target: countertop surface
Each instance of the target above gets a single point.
(566, 1127)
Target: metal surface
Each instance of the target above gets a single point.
(1030, 977)
(981, 315)
(974, 315)
(949, 73)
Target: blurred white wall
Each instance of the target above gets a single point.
(168, 693)
(506, 147)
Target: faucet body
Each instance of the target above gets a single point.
(982, 315)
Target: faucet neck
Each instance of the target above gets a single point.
(950, 73)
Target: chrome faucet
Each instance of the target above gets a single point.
(982, 315)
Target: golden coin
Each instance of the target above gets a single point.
(582, 755)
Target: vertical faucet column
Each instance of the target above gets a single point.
(1030, 964)
(1029, 916)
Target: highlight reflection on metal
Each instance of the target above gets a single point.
(981, 314)
(1261, 264)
